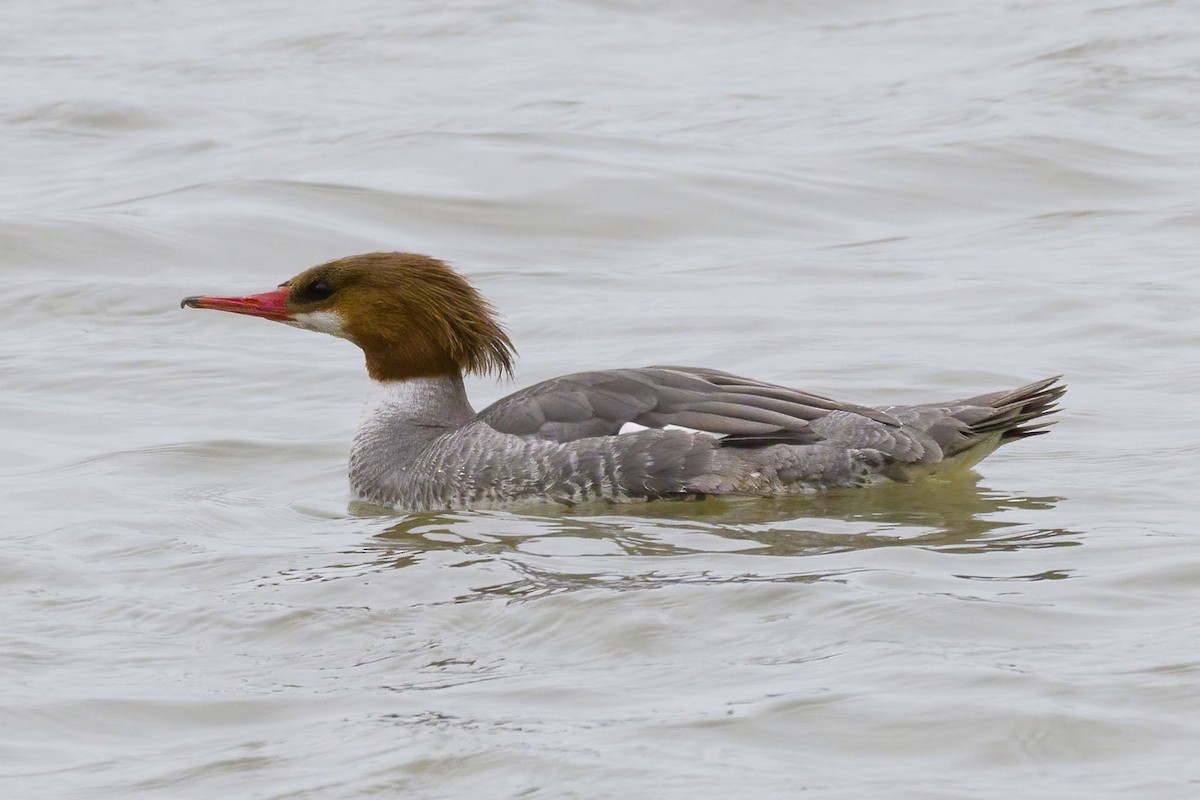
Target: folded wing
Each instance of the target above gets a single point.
(743, 411)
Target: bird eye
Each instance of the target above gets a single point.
(315, 292)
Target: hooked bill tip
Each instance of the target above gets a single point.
(190, 302)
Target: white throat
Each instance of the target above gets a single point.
(320, 321)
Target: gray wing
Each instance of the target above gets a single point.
(746, 412)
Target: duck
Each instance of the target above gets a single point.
(608, 435)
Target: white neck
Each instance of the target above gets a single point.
(441, 400)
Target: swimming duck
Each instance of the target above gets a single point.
(607, 435)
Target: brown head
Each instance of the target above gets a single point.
(412, 315)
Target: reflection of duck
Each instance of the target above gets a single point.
(609, 435)
(955, 514)
(719, 540)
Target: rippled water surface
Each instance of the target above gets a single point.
(884, 201)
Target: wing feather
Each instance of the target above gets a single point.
(590, 404)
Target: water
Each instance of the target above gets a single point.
(882, 201)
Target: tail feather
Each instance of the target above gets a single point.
(1012, 409)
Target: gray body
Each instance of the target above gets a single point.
(422, 447)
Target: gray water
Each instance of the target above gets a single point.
(883, 201)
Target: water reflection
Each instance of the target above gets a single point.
(951, 516)
(712, 541)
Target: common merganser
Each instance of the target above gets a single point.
(610, 435)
